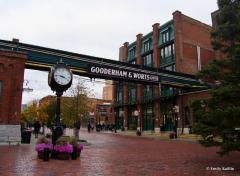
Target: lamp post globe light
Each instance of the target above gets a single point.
(59, 80)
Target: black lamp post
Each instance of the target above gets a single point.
(57, 129)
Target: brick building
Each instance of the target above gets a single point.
(107, 90)
(101, 111)
(182, 44)
(11, 80)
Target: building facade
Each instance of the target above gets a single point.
(107, 90)
(100, 111)
(182, 44)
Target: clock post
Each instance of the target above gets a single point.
(59, 79)
(58, 112)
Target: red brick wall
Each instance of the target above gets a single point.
(214, 18)
(156, 63)
(189, 34)
(123, 52)
(139, 86)
(155, 45)
(218, 55)
(186, 100)
(12, 66)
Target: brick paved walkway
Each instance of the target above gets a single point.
(111, 154)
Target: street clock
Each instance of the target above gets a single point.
(60, 77)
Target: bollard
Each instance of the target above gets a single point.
(74, 153)
(46, 154)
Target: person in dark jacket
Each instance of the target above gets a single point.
(37, 127)
(77, 126)
(89, 127)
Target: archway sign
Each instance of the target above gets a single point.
(42, 58)
(59, 79)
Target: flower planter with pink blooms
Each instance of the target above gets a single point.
(66, 148)
(63, 151)
(44, 148)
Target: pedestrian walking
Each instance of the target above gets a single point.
(89, 127)
(77, 126)
(37, 127)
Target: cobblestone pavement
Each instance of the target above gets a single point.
(114, 155)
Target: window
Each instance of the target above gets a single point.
(132, 93)
(119, 91)
(133, 62)
(147, 92)
(119, 95)
(165, 36)
(168, 51)
(132, 53)
(173, 49)
(147, 60)
(162, 53)
(146, 45)
(170, 68)
(167, 54)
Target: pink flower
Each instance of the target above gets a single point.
(40, 147)
(64, 148)
(79, 147)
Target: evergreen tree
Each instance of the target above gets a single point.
(218, 119)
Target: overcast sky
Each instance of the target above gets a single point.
(91, 27)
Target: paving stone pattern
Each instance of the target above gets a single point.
(117, 155)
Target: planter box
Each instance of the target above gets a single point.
(40, 155)
(26, 137)
(63, 156)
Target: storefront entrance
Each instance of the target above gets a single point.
(132, 118)
(147, 118)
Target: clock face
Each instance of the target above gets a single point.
(62, 76)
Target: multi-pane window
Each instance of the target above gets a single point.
(119, 92)
(167, 91)
(132, 53)
(162, 53)
(165, 36)
(132, 92)
(146, 45)
(147, 60)
(133, 62)
(167, 53)
(173, 49)
(119, 95)
(147, 91)
(170, 68)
